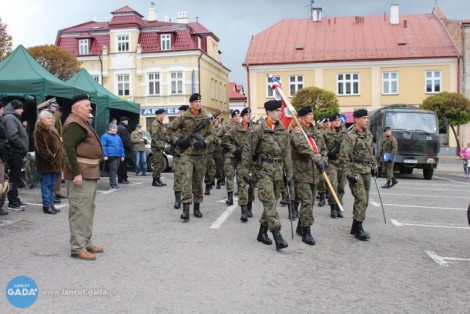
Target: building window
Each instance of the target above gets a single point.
(176, 82)
(348, 84)
(296, 82)
(83, 47)
(433, 81)
(389, 83)
(123, 43)
(166, 42)
(123, 85)
(154, 83)
(269, 90)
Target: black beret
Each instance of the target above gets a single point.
(16, 104)
(272, 105)
(183, 108)
(123, 118)
(195, 96)
(359, 113)
(78, 98)
(244, 112)
(235, 112)
(335, 116)
(160, 111)
(327, 119)
(304, 110)
(386, 128)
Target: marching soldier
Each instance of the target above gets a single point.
(322, 188)
(388, 153)
(270, 146)
(218, 155)
(305, 176)
(193, 155)
(358, 162)
(234, 141)
(334, 136)
(176, 153)
(157, 131)
(209, 176)
(229, 166)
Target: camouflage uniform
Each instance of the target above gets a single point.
(193, 160)
(157, 131)
(356, 158)
(272, 150)
(389, 145)
(333, 139)
(234, 140)
(219, 157)
(210, 169)
(229, 164)
(176, 166)
(306, 176)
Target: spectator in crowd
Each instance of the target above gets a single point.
(49, 158)
(19, 142)
(4, 153)
(113, 153)
(123, 133)
(465, 155)
(138, 148)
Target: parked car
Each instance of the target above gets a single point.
(167, 160)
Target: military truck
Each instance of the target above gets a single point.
(417, 133)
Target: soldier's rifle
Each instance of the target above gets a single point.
(289, 201)
(195, 133)
(293, 113)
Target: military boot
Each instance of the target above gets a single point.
(156, 183)
(334, 212)
(229, 199)
(299, 229)
(197, 211)
(160, 182)
(295, 210)
(244, 216)
(263, 235)
(177, 200)
(354, 226)
(185, 214)
(219, 182)
(338, 211)
(394, 181)
(249, 207)
(360, 234)
(307, 236)
(283, 201)
(387, 185)
(280, 242)
(222, 182)
(208, 189)
(321, 202)
(236, 193)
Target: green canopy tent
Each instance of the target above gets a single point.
(107, 104)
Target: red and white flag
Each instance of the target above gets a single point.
(286, 116)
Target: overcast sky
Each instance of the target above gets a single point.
(35, 22)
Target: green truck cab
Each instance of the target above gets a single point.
(417, 133)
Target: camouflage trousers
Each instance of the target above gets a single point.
(246, 193)
(337, 179)
(210, 169)
(360, 191)
(178, 174)
(322, 186)
(158, 163)
(389, 170)
(268, 193)
(193, 168)
(229, 169)
(219, 164)
(305, 194)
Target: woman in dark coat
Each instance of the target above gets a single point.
(48, 158)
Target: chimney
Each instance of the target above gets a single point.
(394, 14)
(182, 17)
(152, 15)
(316, 14)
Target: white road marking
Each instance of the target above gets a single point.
(416, 195)
(36, 204)
(375, 204)
(235, 200)
(443, 260)
(5, 222)
(429, 225)
(452, 180)
(416, 206)
(223, 217)
(437, 189)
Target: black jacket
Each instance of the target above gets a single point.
(4, 146)
(16, 133)
(123, 133)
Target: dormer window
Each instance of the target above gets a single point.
(83, 46)
(122, 43)
(166, 41)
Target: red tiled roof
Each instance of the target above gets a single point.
(97, 42)
(235, 92)
(348, 39)
(198, 28)
(126, 9)
(126, 20)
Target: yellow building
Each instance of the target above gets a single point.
(367, 61)
(158, 64)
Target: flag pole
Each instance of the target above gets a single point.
(291, 108)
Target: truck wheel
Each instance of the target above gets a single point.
(427, 174)
(410, 171)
